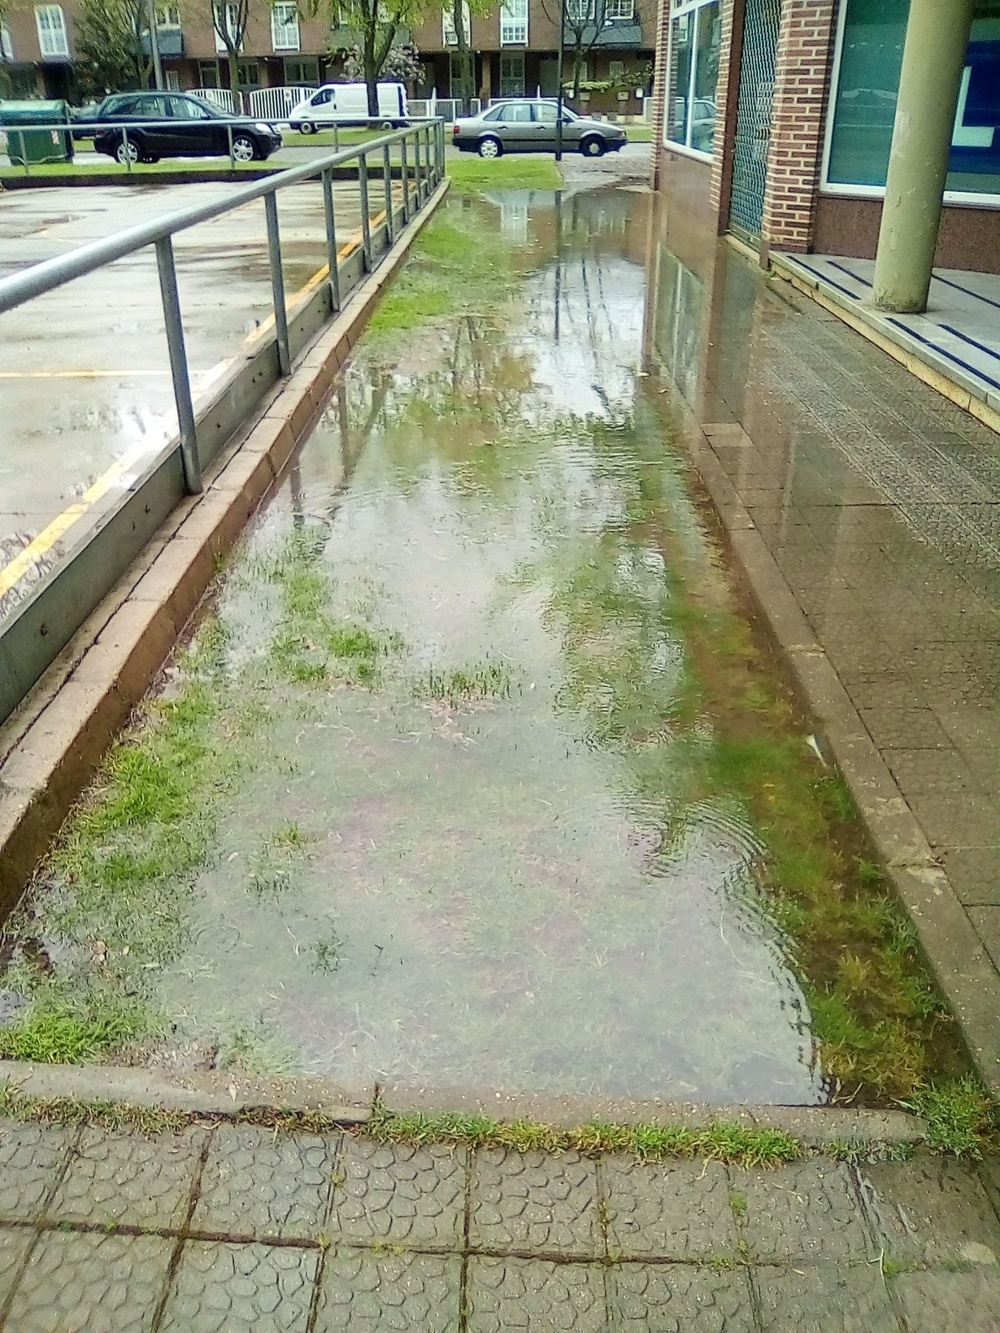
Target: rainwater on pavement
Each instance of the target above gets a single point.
(476, 854)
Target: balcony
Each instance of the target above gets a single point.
(616, 35)
(169, 41)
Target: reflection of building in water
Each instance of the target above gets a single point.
(514, 221)
(774, 119)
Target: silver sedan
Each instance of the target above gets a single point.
(528, 125)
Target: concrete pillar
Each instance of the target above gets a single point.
(933, 58)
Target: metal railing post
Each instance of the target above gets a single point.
(174, 325)
(331, 238)
(390, 222)
(128, 159)
(405, 177)
(229, 135)
(277, 283)
(366, 222)
(416, 166)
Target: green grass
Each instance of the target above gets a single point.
(67, 1038)
(473, 174)
(109, 168)
(961, 1119)
(721, 1141)
(468, 685)
(639, 133)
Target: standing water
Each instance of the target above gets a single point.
(446, 806)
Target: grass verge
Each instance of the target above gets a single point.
(474, 175)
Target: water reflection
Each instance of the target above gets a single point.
(520, 891)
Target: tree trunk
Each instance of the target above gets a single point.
(371, 73)
(465, 58)
(577, 71)
(234, 76)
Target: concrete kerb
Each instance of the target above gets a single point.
(52, 745)
(952, 948)
(230, 1095)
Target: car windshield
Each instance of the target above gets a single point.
(213, 111)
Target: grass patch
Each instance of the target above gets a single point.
(465, 686)
(56, 1037)
(722, 1141)
(961, 1119)
(115, 172)
(472, 174)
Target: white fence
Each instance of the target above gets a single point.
(277, 104)
(448, 107)
(220, 97)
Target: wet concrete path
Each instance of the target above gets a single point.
(476, 773)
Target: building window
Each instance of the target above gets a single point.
(225, 17)
(512, 76)
(208, 74)
(514, 25)
(448, 25)
(53, 41)
(580, 11)
(692, 74)
(6, 45)
(168, 16)
(173, 79)
(619, 9)
(285, 27)
(864, 108)
(247, 74)
(302, 72)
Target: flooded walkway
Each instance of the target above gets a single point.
(476, 772)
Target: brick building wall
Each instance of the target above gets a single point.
(798, 110)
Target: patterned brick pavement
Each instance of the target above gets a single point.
(221, 1227)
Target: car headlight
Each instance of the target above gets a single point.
(264, 129)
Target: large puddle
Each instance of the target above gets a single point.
(477, 854)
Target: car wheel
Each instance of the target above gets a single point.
(387, 125)
(127, 152)
(592, 145)
(307, 127)
(490, 147)
(244, 148)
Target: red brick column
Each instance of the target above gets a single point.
(801, 87)
(660, 87)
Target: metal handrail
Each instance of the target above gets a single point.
(50, 273)
(43, 623)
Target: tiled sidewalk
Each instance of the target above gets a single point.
(228, 1227)
(875, 503)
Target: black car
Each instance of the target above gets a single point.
(164, 124)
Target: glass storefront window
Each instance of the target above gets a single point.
(693, 74)
(868, 80)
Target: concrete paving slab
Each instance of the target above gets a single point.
(949, 1302)
(256, 1183)
(535, 1201)
(219, 1288)
(395, 1194)
(32, 1161)
(126, 1180)
(936, 1212)
(77, 1281)
(681, 1210)
(534, 1295)
(807, 1212)
(367, 1291)
(678, 1298)
(825, 1300)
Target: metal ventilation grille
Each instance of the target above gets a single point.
(753, 115)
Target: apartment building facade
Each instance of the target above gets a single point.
(515, 48)
(773, 121)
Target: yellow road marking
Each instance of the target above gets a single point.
(17, 568)
(47, 538)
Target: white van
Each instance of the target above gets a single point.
(347, 104)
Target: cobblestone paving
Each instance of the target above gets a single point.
(222, 1227)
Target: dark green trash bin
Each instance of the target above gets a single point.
(27, 145)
